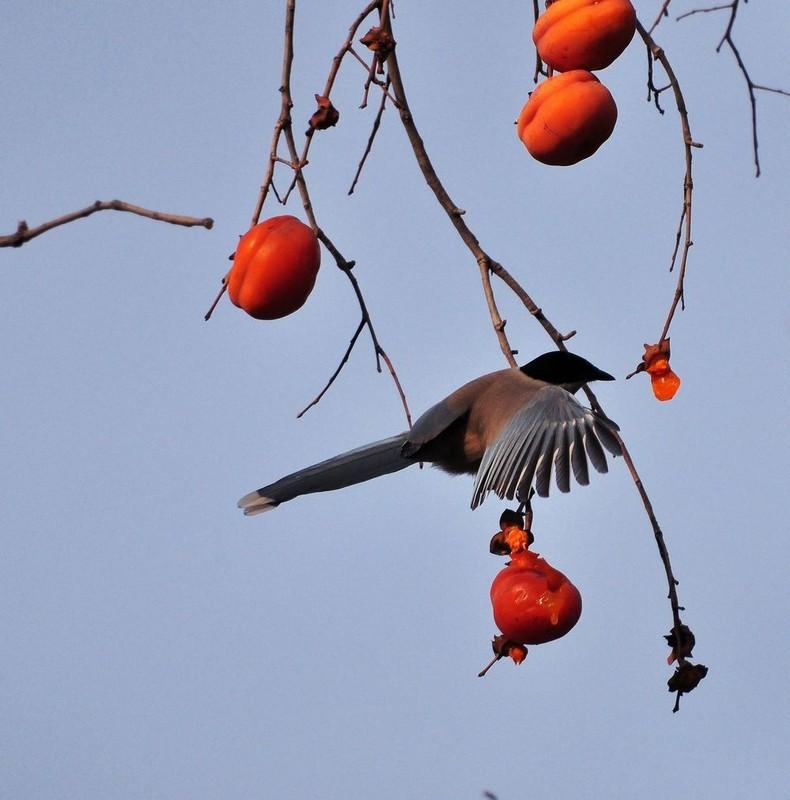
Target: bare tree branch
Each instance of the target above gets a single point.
(340, 366)
(284, 128)
(684, 224)
(343, 264)
(364, 64)
(539, 69)
(751, 86)
(24, 234)
(374, 131)
(330, 79)
(663, 12)
(487, 266)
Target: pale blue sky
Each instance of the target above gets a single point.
(160, 645)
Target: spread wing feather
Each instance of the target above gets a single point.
(606, 434)
(522, 478)
(594, 450)
(578, 460)
(552, 431)
(562, 446)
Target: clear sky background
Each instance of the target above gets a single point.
(157, 644)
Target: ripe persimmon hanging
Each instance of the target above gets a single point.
(584, 34)
(567, 118)
(274, 268)
(533, 602)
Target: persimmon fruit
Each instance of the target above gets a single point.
(533, 602)
(567, 118)
(274, 268)
(584, 34)
(664, 381)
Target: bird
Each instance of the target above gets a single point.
(509, 428)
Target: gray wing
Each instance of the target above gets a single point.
(432, 423)
(552, 431)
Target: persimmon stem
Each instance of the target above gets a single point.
(222, 291)
(488, 666)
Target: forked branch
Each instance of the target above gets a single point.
(751, 86)
(488, 266)
(284, 128)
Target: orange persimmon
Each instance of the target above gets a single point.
(664, 381)
(533, 602)
(584, 34)
(567, 118)
(274, 268)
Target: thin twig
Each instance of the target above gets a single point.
(370, 79)
(684, 224)
(24, 234)
(484, 264)
(663, 12)
(364, 64)
(653, 91)
(658, 534)
(285, 113)
(343, 360)
(751, 86)
(702, 11)
(396, 381)
(374, 131)
(538, 60)
(346, 267)
(215, 302)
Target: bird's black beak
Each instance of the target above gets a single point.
(600, 375)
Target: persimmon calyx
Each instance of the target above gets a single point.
(325, 116)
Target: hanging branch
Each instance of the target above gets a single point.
(750, 84)
(684, 224)
(330, 79)
(488, 266)
(346, 267)
(282, 120)
(376, 124)
(663, 12)
(24, 234)
(317, 398)
(539, 69)
(284, 126)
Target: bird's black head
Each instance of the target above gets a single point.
(564, 369)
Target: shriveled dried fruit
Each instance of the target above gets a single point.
(687, 677)
(325, 116)
(681, 641)
(379, 41)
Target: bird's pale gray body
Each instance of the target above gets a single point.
(508, 428)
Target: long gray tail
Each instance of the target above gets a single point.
(355, 466)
